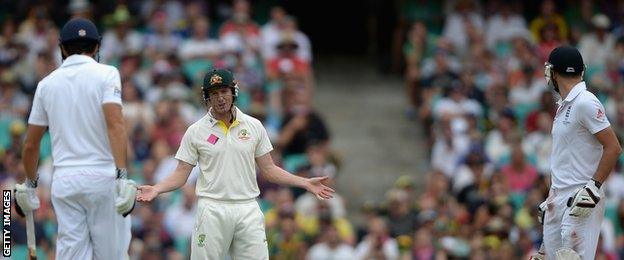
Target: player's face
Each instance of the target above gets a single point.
(221, 100)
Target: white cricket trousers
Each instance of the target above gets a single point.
(230, 227)
(89, 226)
(563, 230)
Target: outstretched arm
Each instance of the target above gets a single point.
(277, 175)
(174, 181)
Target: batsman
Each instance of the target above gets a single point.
(80, 104)
(585, 150)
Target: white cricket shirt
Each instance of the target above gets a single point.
(69, 101)
(576, 152)
(226, 156)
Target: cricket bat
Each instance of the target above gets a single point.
(30, 235)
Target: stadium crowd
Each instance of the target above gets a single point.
(474, 80)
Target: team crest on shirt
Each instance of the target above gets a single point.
(201, 239)
(600, 114)
(244, 134)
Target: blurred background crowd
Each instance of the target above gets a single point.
(473, 74)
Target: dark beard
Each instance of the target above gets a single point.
(555, 86)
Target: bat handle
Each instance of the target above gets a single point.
(30, 235)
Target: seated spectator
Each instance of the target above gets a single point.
(526, 88)
(271, 32)
(287, 65)
(330, 247)
(319, 165)
(538, 144)
(472, 179)
(547, 105)
(596, 47)
(122, 39)
(502, 27)
(448, 149)
(199, 53)
(548, 17)
(549, 40)
(402, 219)
(13, 103)
(420, 45)
(519, 175)
(378, 244)
(301, 125)
(240, 22)
(160, 39)
(286, 241)
(179, 218)
(498, 141)
(464, 18)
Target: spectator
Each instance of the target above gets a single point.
(502, 27)
(377, 244)
(519, 175)
(462, 20)
(122, 39)
(331, 247)
(538, 144)
(13, 104)
(549, 17)
(597, 46)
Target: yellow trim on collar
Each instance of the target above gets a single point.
(225, 129)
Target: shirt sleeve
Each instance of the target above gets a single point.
(38, 115)
(264, 143)
(187, 152)
(112, 88)
(592, 116)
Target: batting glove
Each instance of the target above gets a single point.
(26, 196)
(585, 199)
(125, 193)
(541, 212)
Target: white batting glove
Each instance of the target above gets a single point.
(125, 193)
(541, 212)
(26, 196)
(585, 200)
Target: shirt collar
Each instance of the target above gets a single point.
(77, 59)
(213, 121)
(576, 90)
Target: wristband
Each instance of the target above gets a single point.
(32, 183)
(597, 183)
(122, 173)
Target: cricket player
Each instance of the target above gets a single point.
(584, 152)
(80, 103)
(228, 145)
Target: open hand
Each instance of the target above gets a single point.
(317, 187)
(147, 193)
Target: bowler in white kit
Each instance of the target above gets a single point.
(585, 150)
(228, 144)
(80, 104)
